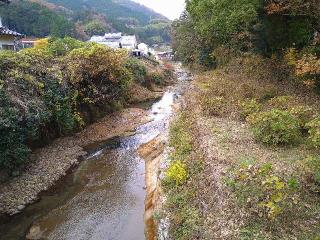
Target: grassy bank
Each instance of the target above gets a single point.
(246, 158)
(180, 182)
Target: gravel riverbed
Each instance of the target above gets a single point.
(52, 162)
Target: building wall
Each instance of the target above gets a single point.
(6, 40)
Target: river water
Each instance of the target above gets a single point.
(103, 198)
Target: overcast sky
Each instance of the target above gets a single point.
(169, 8)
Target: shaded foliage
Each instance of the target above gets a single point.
(265, 27)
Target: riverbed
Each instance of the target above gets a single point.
(104, 196)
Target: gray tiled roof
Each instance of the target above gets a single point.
(7, 31)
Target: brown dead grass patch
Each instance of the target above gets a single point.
(223, 140)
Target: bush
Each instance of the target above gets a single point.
(310, 170)
(168, 71)
(275, 127)
(281, 102)
(314, 131)
(213, 105)
(186, 224)
(180, 138)
(62, 46)
(138, 70)
(98, 73)
(176, 174)
(249, 106)
(268, 94)
(13, 150)
(259, 189)
(308, 70)
(304, 114)
(156, 77)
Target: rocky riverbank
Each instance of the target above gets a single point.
(152, 153)
(52, 162)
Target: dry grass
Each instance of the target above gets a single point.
(222, 140)
(251, 78)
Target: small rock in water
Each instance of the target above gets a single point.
(20, 207)
(34, 233)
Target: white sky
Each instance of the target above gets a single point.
(169, 8)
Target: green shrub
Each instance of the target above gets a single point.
(304, 114)
(138, 70)
(180, 138)
(261, 190)
(310, 171)
(62, 46)
(179, 199)
(176, 174)
(98, 73)
(314, 131)
(249, 106)
(13, 150)
(213, 105)
(275, 127)
(156, 78)
(268, 94)
(281, 102)
(61, 106)
(185, 224)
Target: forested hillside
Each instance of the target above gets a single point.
(33, 19)
(83, 19)
(246, 160)
(124, 9)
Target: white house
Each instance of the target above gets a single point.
(129, 42)
(116, 40)
(145, 49)
(8, 38)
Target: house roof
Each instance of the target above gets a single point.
(7, 31)
(115, 39)
(113, 35)
(128, 40)
(28, 40)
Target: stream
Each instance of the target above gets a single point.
(103, 197)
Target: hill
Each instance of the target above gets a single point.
(81, 19)
(112, 9)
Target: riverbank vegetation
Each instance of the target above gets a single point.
(60, 86)
(255, 106)
(244, 159)
(180, 179)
